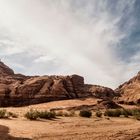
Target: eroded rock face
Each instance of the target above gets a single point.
(5, 70)
(130, 91)
(19, 90)
(99, 91)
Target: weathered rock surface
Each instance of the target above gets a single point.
(130, 91)
(18, 89)
(99, 91)
(5, 70)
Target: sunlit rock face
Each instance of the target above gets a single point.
(5, 70)
(130, 91)
(19, 90)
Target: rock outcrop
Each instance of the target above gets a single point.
(5, 70)
(99, 91)
(130, 91)
(19, 90)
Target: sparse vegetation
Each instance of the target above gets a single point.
(98, 114)
(46, 115)
(124, 112)
(32, 114)
(3, 113)
(85, 113)
(13, 115)
(112, 112)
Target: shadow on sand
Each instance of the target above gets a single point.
(4, 134)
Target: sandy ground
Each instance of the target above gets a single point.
(71, 128)
(55, 104)
(68, 128)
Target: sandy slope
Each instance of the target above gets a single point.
(55, 104)
(68, 128)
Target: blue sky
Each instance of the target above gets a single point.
(98, 39)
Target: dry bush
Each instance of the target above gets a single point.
(85, 113)
(98, 114)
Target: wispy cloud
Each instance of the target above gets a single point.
(65, 37)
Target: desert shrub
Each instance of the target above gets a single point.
(85, 113)
(3, 113)
(46, 115)
(113, 112)
(125, 112)
(52, 114)
(136, 112)
(32, 114)
(98, 114)
(133, 112)
(13, 115)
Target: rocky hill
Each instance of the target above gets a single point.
(5, 70)
(130, 91)
(19, 90)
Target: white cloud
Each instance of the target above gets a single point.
(65, 37)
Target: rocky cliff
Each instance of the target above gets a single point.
(19, 90)
(130, 91)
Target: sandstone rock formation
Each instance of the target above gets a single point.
(19, 90)
(130, 91)
(99, 91)
(5, 70)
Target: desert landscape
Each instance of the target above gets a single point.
(68, 128)
(69, 69)
(66, 96)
